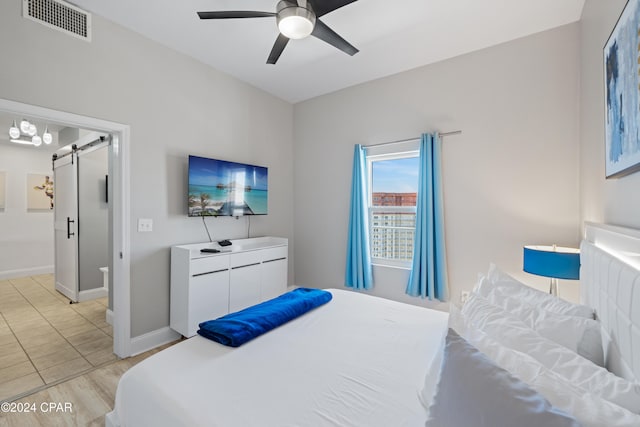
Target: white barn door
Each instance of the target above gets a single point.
(65, 214)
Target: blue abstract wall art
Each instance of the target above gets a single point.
(622, 88)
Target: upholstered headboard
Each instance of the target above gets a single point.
(610, 283)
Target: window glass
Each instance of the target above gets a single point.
(394, 187)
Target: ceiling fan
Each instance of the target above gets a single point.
(296, 19)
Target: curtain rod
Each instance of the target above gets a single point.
(455, 132)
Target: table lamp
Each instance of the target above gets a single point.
(552, 261)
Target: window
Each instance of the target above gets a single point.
(393, 187)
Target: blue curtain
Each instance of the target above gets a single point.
(428, 277)
(358, 274)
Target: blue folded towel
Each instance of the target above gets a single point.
(235, 329)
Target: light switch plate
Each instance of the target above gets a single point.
(145, 224)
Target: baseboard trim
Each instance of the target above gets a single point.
(153, 339)
(34, 271)
(66, 292)
(92, 294)
(109, 317)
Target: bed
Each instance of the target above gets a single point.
(358, 360)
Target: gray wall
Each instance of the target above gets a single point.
(614, 201)
(510, 179)
(93, 219)
(175, 106)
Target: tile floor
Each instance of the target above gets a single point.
(44, 339)
(91, 396)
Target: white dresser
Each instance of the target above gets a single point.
(205, 286)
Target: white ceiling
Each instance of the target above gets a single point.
(392, 36)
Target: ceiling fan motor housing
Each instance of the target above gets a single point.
(295, 22)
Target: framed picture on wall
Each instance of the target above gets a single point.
(3, 191)
(622, 79)
(39, 192)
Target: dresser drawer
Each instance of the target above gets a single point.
(209, 264)
(245, 258)
(272, 254)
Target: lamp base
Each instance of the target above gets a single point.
(553, 287)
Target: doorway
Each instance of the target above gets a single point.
(119, 258)
(81, 220)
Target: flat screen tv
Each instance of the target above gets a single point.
(222, 188)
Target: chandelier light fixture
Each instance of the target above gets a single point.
(27, 133)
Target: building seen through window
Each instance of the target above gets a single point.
(394, 183)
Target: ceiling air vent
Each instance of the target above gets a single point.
(60, 16)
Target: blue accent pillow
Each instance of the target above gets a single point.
(473, 391)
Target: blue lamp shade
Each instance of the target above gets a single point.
(551, 261)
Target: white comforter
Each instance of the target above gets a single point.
(356, 361)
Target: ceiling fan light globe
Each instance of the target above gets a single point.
(295, 27)
(295, 22)
(36, 140)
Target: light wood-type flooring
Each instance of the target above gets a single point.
(57, 367)
(44, 339)
(81, 401)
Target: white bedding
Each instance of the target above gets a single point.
(356, 361)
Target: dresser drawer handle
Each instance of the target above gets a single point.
(209, 272)
(243, 266)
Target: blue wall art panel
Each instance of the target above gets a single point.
(622, 113)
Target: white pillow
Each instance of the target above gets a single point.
(513, 333)
(506, 286)
(579, 334)
(590, 410)
(473, 391)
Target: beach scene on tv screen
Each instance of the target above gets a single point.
(221, 188)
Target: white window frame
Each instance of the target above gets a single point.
(372, 158)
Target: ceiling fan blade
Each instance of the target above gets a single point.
(231, 14)
(326, 34)
(277, 49)
(322, 7)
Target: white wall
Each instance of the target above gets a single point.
(175, 106)
(613, 201)
(26, 238)
(510, 179)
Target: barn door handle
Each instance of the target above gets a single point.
(69, 233)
